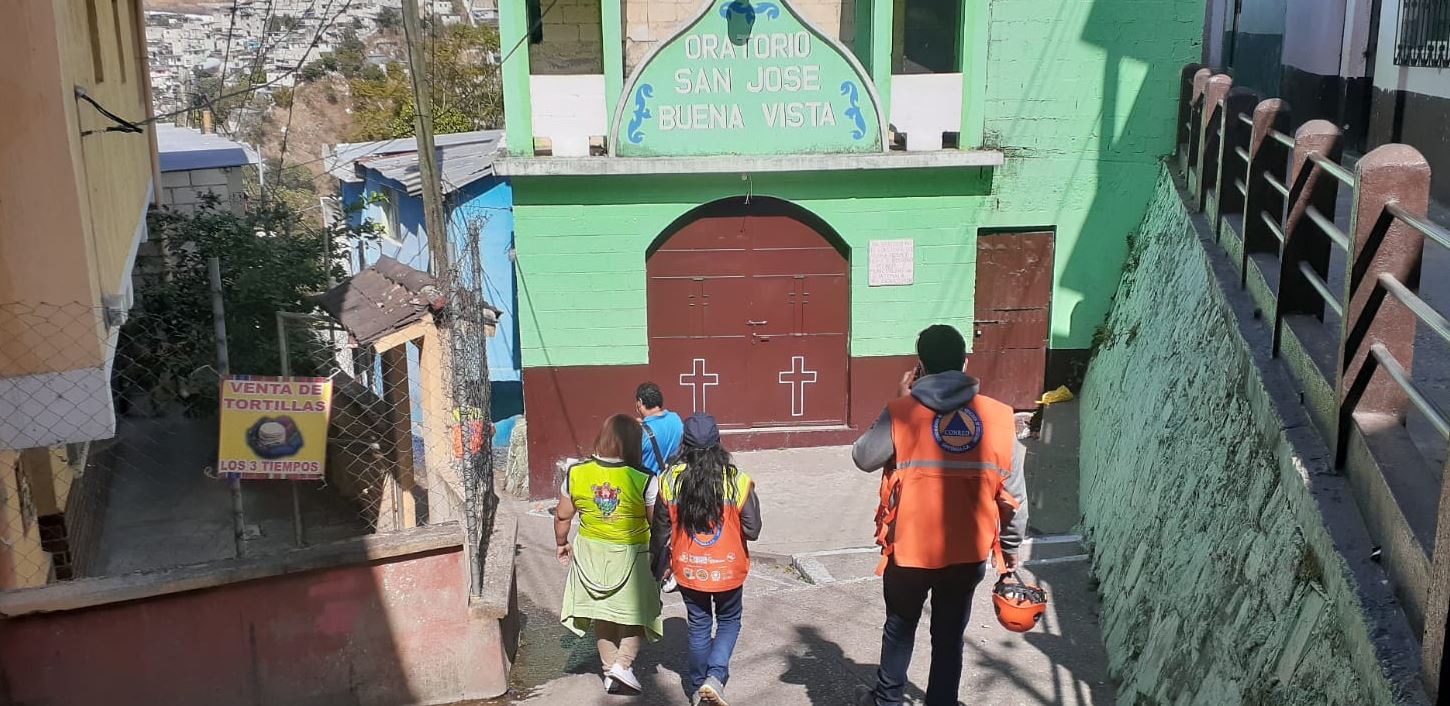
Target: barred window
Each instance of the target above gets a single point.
(1424, 38)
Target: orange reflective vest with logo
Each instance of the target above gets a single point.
(944, 502)
(714, 561)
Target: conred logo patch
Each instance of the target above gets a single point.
(707, 539)
(957, 432)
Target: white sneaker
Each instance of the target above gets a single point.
(625, 677)
(608, 683)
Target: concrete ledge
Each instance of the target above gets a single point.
(88, 593)
(495, 601)
(618, 166)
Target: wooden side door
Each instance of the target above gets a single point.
(1013, 309)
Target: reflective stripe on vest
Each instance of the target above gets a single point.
(713, 562)
(610, 499)
(944, 501)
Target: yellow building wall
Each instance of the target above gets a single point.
(74, 196)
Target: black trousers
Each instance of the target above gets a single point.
(906, 590)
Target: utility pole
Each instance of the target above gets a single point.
(433, 218)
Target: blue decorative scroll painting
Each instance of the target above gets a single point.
(853, 94)
(641, 112)
(749, 11)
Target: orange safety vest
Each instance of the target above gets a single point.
(715, 561)
(944, 502)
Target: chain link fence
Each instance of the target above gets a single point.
(109, 432)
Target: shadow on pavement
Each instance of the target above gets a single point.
(1073, 647)
(829, 676)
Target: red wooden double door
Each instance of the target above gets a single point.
(748, 320)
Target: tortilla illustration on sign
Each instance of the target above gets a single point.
(274, 437)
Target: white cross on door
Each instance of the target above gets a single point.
(699, 383)
(797, 377)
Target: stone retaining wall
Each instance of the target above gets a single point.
(1234, 565)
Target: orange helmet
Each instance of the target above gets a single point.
(1019, 605)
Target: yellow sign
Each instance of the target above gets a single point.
(274, 427)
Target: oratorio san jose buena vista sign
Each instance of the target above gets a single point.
(748, 79)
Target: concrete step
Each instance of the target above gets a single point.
(835, 565)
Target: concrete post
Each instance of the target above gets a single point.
(882, 14)
(1208, 144)
(513, 34)
(1267, 159)
(1195, 127)
(1303, 241)
(1380, 244)
(1185, 109)
(1235, 135)
(611, 30)
(974, 73)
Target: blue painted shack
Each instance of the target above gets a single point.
(379, 181)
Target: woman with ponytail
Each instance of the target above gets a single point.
(700, 544)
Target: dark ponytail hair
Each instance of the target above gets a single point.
(701, 488)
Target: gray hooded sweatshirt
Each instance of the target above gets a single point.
(946, 392)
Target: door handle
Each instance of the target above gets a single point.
(756, 323)
(763, 339)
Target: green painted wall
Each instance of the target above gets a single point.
(581, 259)
(1221, 579)
(1081, 96)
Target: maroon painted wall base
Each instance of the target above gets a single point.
(566, 405)
(389, 632)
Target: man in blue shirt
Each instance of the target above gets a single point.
(663, 429)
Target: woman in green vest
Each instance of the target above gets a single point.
(610, 585)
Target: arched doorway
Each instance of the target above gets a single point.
(749, 314)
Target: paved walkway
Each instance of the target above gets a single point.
(812, 644)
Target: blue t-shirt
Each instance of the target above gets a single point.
(669, 431)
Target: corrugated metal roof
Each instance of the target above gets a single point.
(464, 158)
(389, 295)
(182, 149)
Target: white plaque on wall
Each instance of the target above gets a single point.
(892, 263)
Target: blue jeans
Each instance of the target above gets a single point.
(710, 656)
(906, 591)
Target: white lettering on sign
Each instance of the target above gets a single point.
(788, 79)
(812, 113)
(778, 45)
(701, 116)
(803, 78)
(891, 263)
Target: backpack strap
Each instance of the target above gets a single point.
(655, 445)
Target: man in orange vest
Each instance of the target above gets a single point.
(953, 497)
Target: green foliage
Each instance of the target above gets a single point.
(349, 59)
(291, 184)
(284, 23)
(271, 262)
(467, 91)
(390, 19)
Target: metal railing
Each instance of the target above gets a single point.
(1424, 34)
(1345, 296)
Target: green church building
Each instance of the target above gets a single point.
(757, 205)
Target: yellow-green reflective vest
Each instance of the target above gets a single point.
(610, 500)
